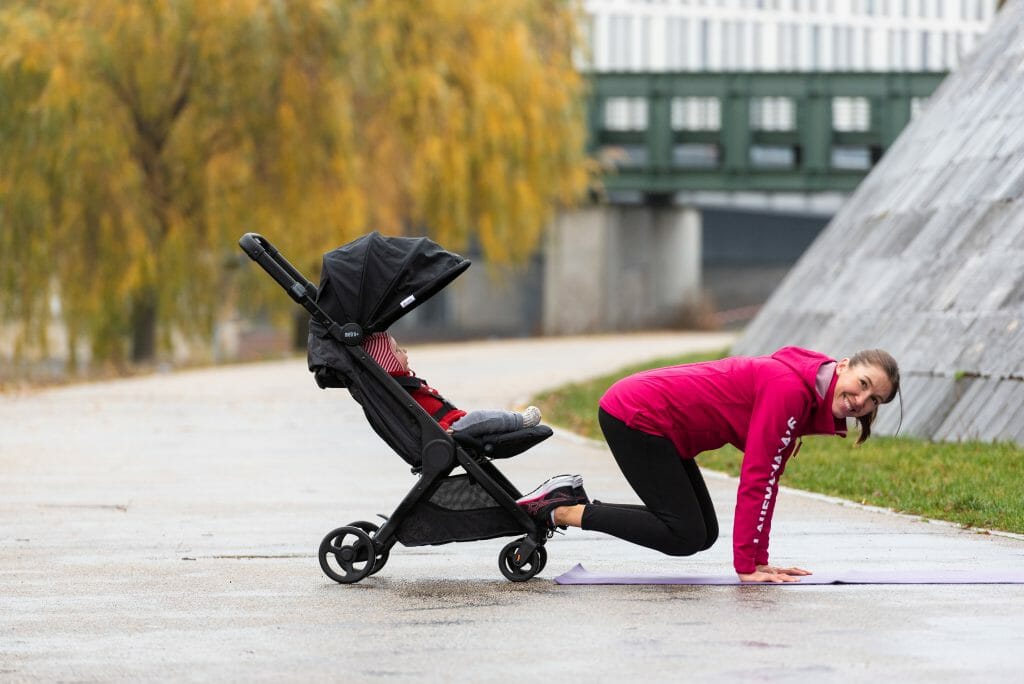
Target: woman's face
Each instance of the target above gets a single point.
(859, 389)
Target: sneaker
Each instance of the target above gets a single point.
(574, 481)
(577, 488)
(531, 417)
(561, 490)
(540, 509)
(549, 485)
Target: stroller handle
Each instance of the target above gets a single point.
(287, 276)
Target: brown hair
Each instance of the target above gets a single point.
(883, 360)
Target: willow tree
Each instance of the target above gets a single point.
(473, 117)
(139, 139)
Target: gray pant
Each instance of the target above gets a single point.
(488, 422)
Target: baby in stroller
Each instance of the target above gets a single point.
(384, 349)
(561, 490)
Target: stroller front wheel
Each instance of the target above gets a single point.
(524, 570)
(347, 555)
(382, 556)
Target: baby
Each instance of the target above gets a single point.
(384, 349)
(561, 490)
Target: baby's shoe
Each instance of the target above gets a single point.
(531, 417)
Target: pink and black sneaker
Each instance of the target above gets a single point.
(561, 490)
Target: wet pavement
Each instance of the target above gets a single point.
(166, 528)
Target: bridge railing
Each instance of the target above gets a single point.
(660, 133)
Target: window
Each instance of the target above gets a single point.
(851, 158)
(837, 48)
(620, 42)
(625, 114)
(780, 44)
(676, 41)
(702, 44)
(728, 51)
(742, 62)
(696, 114)
(851, 114)
(755, 46)
(772, 157)
(815, 48)
(645, 43)
(772, 114)
(696, 156)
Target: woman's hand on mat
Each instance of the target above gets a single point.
(783, 571)
(770, 573)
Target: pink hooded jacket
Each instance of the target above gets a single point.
(760, 405)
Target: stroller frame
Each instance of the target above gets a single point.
(352, 552)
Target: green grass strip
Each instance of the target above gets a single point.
(975, 484)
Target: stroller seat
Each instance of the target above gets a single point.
(365, 286)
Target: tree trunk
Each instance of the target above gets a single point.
(144, 305)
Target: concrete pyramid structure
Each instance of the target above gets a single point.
(926, 259)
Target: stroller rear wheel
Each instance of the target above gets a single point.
(525, 569)
(347, 554)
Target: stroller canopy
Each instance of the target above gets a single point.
(375, 280)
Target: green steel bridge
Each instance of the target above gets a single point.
(806, 132)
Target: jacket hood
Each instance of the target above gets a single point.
(807, 363)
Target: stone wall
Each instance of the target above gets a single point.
(926, 259)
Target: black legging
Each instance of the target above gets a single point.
(678, 517)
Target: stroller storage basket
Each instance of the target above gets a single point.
(458, 510)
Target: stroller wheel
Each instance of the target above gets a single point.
(382, 556)
(525, 569)
(346, 555)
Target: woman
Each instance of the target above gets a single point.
(657, 421)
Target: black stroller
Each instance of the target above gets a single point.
(365, 286)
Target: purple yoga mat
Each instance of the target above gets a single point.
(580, 575)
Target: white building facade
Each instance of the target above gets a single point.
(784, 35)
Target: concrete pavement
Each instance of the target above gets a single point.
(166, 528)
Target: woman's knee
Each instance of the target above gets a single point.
(686, 545)
(688, 536)
(710, 537)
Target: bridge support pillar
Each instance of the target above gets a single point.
(622, 268)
